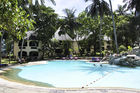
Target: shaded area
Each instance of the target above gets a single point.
(102, 70)
(12, 75)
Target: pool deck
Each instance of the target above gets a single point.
(14, 87)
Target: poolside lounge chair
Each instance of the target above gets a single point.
(71, 58)
(94, 59)
(3, 65)
(63, 58)
(75, 58)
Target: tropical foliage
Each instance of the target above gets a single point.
(92, 26)
(87, 30)
(13, 19)
(132, 4)
(69, 25)
(98, 7)
(46, 25)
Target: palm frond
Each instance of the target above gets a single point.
(105, 8)
(131, 4)
(87, 0)
(30, 2)
(42, 2)
(53, 2)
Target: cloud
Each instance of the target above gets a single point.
(115, 3)
(79, 5)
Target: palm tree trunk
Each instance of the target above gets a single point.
(9, 57)
(21, 49)
(100, 36)
(1, 37)
(0, 48)
(114, 27)
(43, 52)
(101, 17)
(77, 43)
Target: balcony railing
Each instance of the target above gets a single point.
(33, 47)
(22, 48)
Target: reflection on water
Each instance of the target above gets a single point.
(71, 73)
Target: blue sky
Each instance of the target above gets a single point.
(79, 5)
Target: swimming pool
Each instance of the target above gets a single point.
(77, 74)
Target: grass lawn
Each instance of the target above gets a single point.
(6, 61)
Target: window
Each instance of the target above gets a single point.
(33, 47)
(103, 48)
(33, 44)
(33, 54)
(58, 50)
(24, 54)
(20, 43)
(22, 48)
(108, 42)
(108, 47)
(32, 37)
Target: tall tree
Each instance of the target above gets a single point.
(121, 10)
(28, 4)
(69, 25)
(46, 25)
(132, 4)
(90, 32)
(114, 26)
(98, 7)
(13, 19)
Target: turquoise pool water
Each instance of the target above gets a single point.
(73, 74)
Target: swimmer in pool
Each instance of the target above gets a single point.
(101, 65)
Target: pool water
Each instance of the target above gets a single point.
(75, 74)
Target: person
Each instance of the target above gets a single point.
(22, 60)
(101, 65)
(19, 60)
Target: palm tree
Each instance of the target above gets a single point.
(46, 25)
(132, 4)
(98, 7)
(114, 27)
(121, 10)
(28, 4)
(69, 24)
(24, 3)
(1, 38)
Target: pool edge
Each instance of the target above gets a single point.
(17, 85)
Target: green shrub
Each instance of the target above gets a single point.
(122, 48)
(129, 48)
(97, 53)
(104, 52)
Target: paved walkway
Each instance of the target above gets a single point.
(14, 87)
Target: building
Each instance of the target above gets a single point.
(31, 47)
(65, 37)
(107, 43)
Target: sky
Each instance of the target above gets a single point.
(79, 5)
